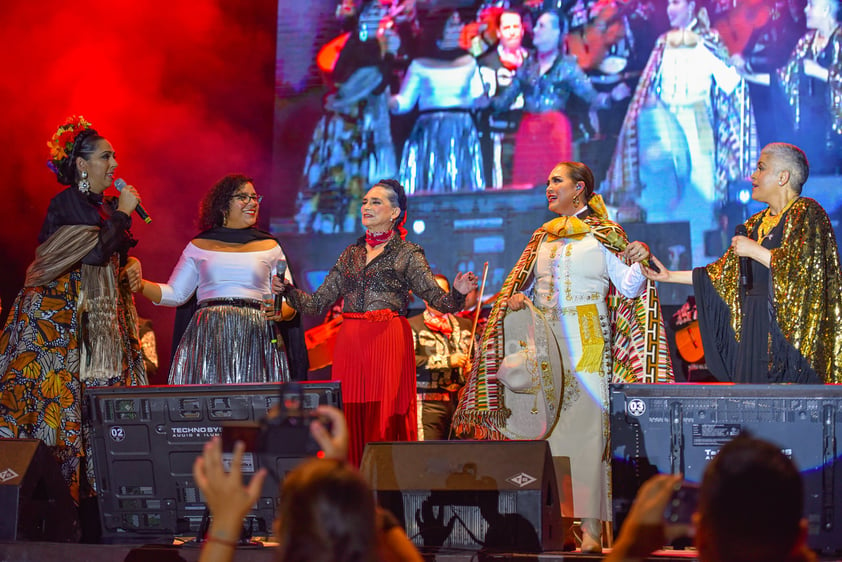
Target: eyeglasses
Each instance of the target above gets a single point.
(244, 198)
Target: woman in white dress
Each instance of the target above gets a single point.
(604, 316)
(231, 337)
(688, 131)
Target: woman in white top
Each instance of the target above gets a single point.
(231, 337)
(442, 153)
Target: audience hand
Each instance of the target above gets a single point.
(643, 530)
(225, 495)
(334, 442)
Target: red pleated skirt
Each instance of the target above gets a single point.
(374, 359)
(542, 141)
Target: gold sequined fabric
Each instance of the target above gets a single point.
(806, 285)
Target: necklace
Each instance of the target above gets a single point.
(770, 221)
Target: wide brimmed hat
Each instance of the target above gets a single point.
(530, 375)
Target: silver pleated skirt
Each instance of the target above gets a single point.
(442, 154)
(229, 344)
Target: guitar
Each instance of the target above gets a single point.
(592, 42)
(688, 340)
(736, 26)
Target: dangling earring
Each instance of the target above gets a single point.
(225, 218)
(84, 185)
(576, 199)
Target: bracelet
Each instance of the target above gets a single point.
(224, 542)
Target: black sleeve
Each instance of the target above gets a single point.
(354, 55)
(296, 348)
(73, 208)
(114, 236)
(718, 338)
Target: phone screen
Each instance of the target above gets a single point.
(245, 432)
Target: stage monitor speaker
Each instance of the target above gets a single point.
(34, 498)
(145, 440)
(679, 428)
(474, 495)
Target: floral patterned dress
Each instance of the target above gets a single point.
(49, 352)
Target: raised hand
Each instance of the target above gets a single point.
(333, 440)
(225, 495)
(465, 282)
(643, 529)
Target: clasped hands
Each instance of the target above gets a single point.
(133, 274)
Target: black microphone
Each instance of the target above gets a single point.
(740, 230)
(120, 183)
(280, 271)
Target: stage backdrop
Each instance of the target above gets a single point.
(316, 219)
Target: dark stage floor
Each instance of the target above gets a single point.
(64, 552)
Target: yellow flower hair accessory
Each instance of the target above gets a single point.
(61, 145)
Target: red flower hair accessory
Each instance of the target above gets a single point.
(61, 145)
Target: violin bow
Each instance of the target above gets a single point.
(479, 309)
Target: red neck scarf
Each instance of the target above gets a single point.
(511, 61)
(374, 239)
(437, 323)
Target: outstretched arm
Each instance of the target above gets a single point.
(665, 275)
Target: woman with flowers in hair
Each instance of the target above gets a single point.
(374, 358)
(73, 325)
